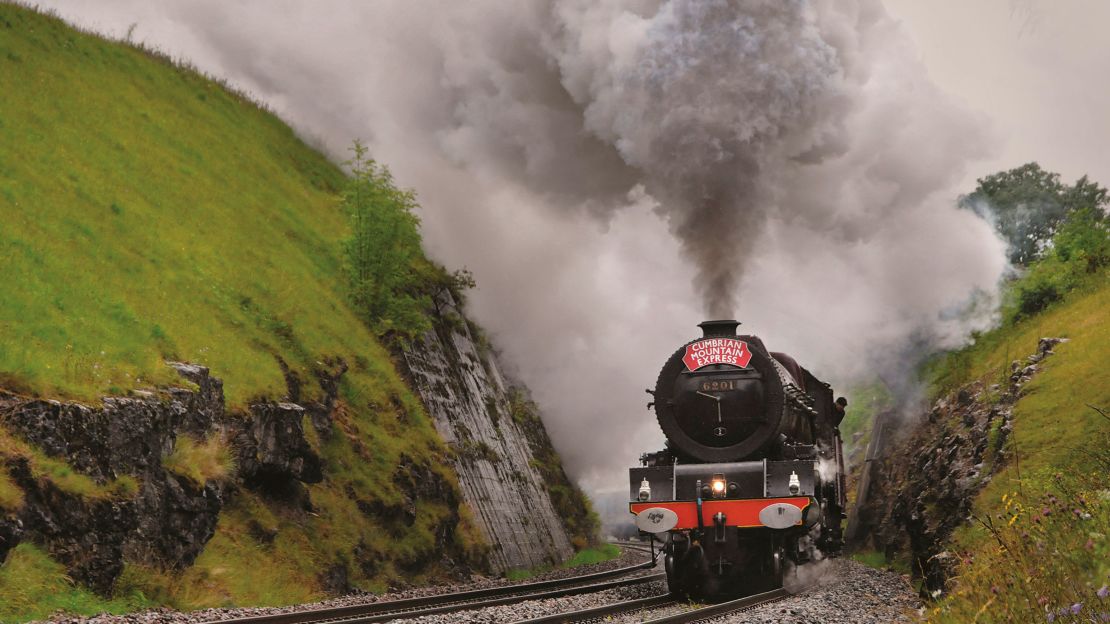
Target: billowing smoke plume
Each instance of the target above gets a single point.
(613, 171)
(701, 98)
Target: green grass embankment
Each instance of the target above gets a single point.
(1039, 544)
(149, 213)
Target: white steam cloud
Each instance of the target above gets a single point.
(615, 171)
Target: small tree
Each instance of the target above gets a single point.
(383, 251)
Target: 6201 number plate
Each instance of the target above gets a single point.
(718, 385)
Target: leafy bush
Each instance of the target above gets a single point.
(1079, 250)
(1036, 294)
(1084, 240)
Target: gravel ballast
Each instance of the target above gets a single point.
(838, 590)
(627, 558)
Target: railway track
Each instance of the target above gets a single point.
(446, 603)
(700, 614)
(604, 611)
(711, 612)
(640, 546)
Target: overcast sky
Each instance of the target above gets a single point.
(523, 131)
(1038, 69)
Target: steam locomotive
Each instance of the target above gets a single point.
(752, 476)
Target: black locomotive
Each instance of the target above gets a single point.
(752, 476)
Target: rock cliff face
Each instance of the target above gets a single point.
(138, 510)
(923, 481)
(478, 414)
(170, 519)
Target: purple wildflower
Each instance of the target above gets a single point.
(1051, 616)
(1076, 608)
(1102, 592)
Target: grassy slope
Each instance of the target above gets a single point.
(147, 213)
(1049, 558)
(587, 556)
(1052, 419)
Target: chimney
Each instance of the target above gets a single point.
(713, 329)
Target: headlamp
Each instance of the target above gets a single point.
(718, 485)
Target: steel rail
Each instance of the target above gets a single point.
(594, 613)
(494, 602)
(347, 612)
(724, 608)
(633, 546)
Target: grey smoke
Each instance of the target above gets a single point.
(805, 577)
(700, 98)
(614, 171)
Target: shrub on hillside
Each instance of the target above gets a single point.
(391, 284)
(1083, 242)
(383, 252)
(1035, 293)
(1080, 248)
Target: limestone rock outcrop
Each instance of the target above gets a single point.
(87, 535)
(924, 479)
(471, 403)
(171, 518)
(506, 467)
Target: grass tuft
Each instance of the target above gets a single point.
(34, 586)
(11, 497)
(201, 460)
(62, 474)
